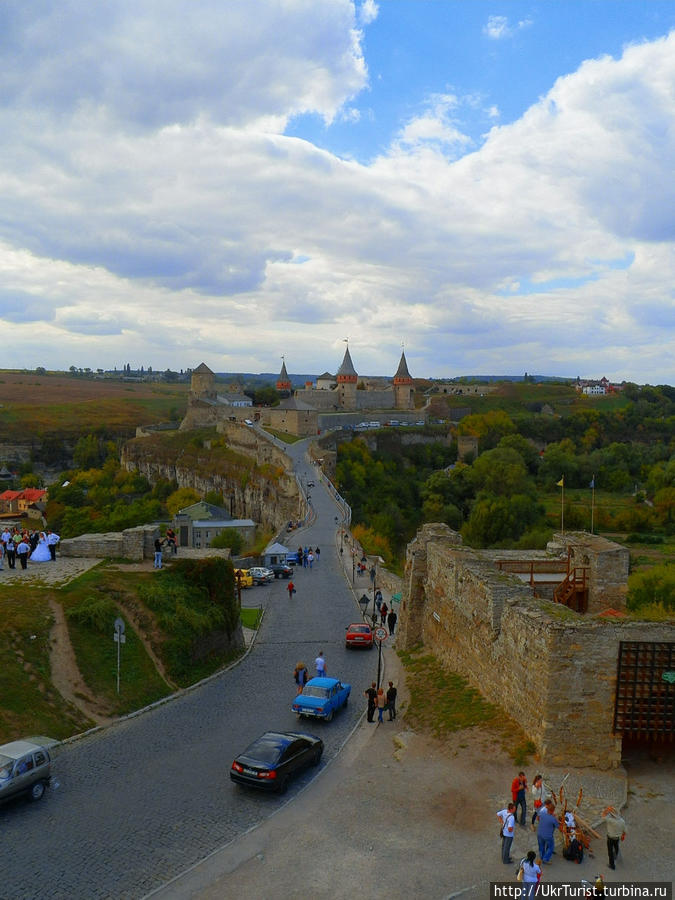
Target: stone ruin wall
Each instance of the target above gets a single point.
(132, 543)
(551, 669)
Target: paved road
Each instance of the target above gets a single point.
(139, 802)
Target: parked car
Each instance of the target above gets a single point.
(281, 570)
(274, 758)
(358, 634)
(243, 578)
(292, 560)
(25, 768)
(321, 698)
(261, 575)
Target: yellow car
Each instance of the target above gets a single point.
(243, 578)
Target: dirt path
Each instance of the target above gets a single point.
(66, 676)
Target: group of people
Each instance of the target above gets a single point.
(38, 546)
(387, 616)
(378, 700)
(545, 823)
(308, 556)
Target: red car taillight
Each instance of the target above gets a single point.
(237, 766)
(268, 775)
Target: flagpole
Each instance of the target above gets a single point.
(562, 506)
(592, 500)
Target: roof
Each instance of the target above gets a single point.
(324, 682)
(326, 377)
(32, 494)
(10, 495)
(283, 375)
(232, 399)
(277, 548)
(204, 510)
(222, 523)
(347, 367)
(294, 403)
(402, 371)
(202, 369)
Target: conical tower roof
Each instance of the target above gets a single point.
(202, 369)
(402, 374)
(347, 367)
(283, 381)
(283, 375)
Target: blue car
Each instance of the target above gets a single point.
(321, 698)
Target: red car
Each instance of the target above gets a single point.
(359, 635)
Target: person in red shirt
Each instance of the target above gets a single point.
(519, 796)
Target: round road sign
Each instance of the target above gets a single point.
(381, 634)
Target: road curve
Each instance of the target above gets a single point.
(139, 802)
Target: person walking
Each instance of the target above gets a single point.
(616, 831)
(546, 831)
(391, 701)
(371, 694)
(157, 564)
(531, 873)
(310, 558)
(508, 826)
(384, 609)
(320, 664)
(2, 556)
(381, 704)
(301, 676)
(519, 796)
(291, 589)
(317, 555)
(22, 551)
(391, 621)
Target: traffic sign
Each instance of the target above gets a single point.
(381, 634)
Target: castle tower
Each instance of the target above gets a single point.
(346, 383)
(203, 382)
(403, 386)
(283, 381)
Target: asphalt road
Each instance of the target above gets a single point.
(137, 803)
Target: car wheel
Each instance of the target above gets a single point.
(346, 700)
(316, 759)
(282, 785)
(37, 790)
(329, 717)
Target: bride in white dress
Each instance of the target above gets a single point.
(41, 552)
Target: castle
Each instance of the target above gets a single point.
(299, 413)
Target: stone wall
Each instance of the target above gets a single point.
(553, 670)
(132, 543)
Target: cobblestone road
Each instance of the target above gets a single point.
(141, 801)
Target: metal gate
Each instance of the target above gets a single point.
(645, 690)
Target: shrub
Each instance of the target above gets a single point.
(95, 613)
(656, 586)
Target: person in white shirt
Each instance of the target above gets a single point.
(52, 541)
(320, 664)
(531, 872)
(508, 819)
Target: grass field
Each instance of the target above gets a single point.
(67, 406)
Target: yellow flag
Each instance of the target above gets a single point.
(561, 483)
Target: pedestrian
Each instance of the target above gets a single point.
(391, 701)
(22, 551)
(507, 827)
(531, 872)
(157, 564)
(545, 831)
(391, 621)
(2, 556)
(519, 796)
(10, 551)
(301, 676)
(317, 555)
(310, 559)
(378, 599)
(172, 541)
(290, 589)
(371, 694)
(305, 558)
(320, 664)
(616, 831)
(381, 704)
(52, 541)
(384, 609)
(539, 794)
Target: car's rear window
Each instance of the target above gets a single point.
(311, 690)
(266, 751)
(361, 629)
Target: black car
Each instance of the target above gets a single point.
(281, 570)
(274, 758)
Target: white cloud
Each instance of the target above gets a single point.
(197, 231)
(368, 12)
(497, 27)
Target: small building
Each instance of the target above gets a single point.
(293, 416)
(197, 525)
(275, 553)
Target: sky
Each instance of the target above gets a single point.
(489, 185)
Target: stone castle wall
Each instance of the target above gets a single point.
(132, 543)
(553, 670)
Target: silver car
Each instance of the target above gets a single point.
(25, 768)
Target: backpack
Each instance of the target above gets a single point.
(575, 851)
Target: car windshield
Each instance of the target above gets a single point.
(5, 767)
(311, 690)
(361, 629)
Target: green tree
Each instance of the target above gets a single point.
(500, 520)
(229, 538)
(180, 499)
